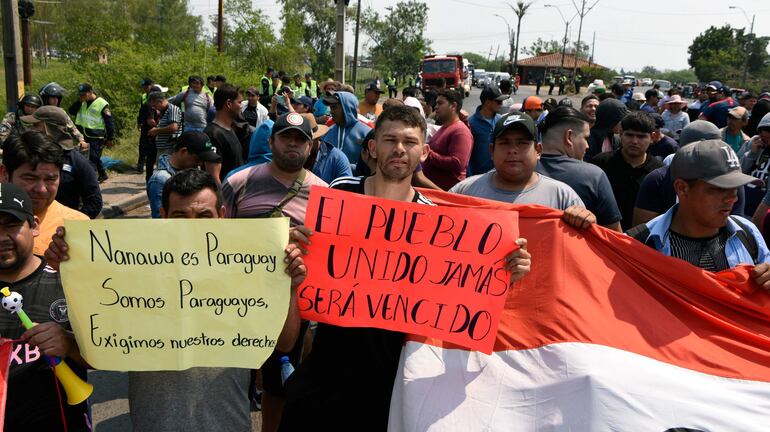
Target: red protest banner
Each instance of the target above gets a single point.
(6, 347)
(407, 267)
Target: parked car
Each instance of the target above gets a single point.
(663, 86)
(647, 81)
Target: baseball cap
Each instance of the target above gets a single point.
(199, 144)
(15, 202)
(304, 100)
(715, 85)
(331, 98)
(292, 121)
(252, 91)
(699, 130)
(318, 130)
(49, 114)
(146, 81)
(516, 121)
(373, 87)
(712, 161)
(492, 92)
(738, 112)
(85, 88)
(533, 103)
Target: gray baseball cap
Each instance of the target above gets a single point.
(699, 130)
(712, 161)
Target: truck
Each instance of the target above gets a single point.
(450, 67)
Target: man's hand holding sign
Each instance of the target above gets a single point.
(407, 267)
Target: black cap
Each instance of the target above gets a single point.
(85, 88)
(145, 82)
(14, 201)
(292, 121)
(199, 144)
(372, 87)
(492, 92)
(712, 161)
(518, 121)
(331, 98)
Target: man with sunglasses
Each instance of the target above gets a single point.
(627, 166)
(482, 122)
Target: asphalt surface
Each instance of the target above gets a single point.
(110, 399)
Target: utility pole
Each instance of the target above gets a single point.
(14, 87)
(497, 52)
(26, 10)
(582, 12)
(489, 56)
(339, 47)
(221, 27)
(510, 40)
(593, 48)
(746, 48)
(355, 48)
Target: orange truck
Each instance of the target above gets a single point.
(450, 67)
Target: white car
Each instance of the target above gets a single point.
(594, 85)
(647, 81)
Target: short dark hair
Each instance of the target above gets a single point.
(193, 78)
(211, 78)
(156, 95)
(605, 96)
(651, 93)
(617, 89)
(452, 96)
(225, 93)
(33, 148)
(639, 121)
(220, 78)
(588, 98)
(409, 91)
(188, 182)
(505, 85)
(402, 113)
(563, 115)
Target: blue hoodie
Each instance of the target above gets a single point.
(259, 147)
(348, 139)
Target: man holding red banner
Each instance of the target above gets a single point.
(700, 229)
(346, 382)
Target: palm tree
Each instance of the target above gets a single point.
(520, 9)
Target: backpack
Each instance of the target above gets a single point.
(641, 233)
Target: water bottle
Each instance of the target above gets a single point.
(286, 369)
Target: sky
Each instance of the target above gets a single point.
(629, 35)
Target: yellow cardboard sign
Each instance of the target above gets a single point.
(176, 293)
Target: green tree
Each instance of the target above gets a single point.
(398, 37)
(541, 46)
(249, 36)
(318, 22)
(719, 53)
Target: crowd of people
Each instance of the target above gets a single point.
(690, 187)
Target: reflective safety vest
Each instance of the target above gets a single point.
(90, 118)
(311, 89)
(206, 91)
(144, 98)
(298, 89)
(270, 87)
(411, 82)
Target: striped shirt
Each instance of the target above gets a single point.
(707, 253)
(356, 185)
(172, 114)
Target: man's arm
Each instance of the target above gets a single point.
(90, 193)
(155, 196)
(109, 124)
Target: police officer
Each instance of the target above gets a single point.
(311, 87)
(94, 120)
(52, 94)
(268, 89)
(12, 121)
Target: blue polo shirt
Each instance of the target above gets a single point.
(716, 112)
(481, 129)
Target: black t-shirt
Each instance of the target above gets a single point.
(664, 147)
(228, 146)
(587, 180)
(707, 253)
(625, 180)
(251, 115)
(346, 382)
(32, 403)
